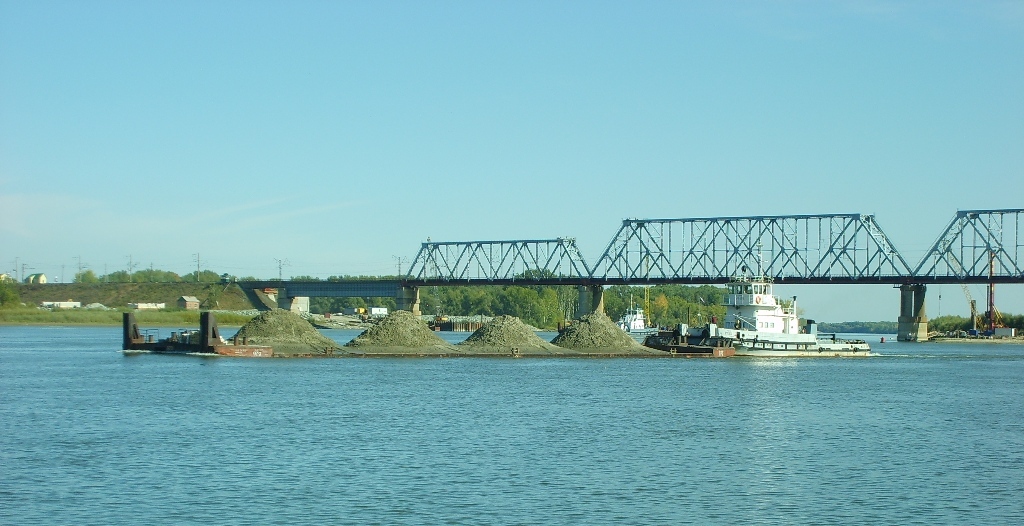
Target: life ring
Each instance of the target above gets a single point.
(757, 299)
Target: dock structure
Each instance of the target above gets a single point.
(977, 246)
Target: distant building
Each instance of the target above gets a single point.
(61, 304)
(147, 306)
(188, 303)
(36, 278)
(5, 278)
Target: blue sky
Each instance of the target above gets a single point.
(340, 135)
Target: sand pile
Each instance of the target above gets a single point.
(598, 333)
(287, 333)
(508, 335)
(400, 332)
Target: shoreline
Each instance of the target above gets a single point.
(998, 341)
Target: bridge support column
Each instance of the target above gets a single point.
(913, 322)
(591, 300)
(298, 304)
(408, 298)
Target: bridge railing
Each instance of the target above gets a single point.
(832, 247)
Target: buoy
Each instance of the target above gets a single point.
(883, 339)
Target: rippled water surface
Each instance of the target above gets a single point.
(923, 434)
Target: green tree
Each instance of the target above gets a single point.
(659, 308)
(155, 276)
(8, 296)
(120, 276)
(86, 276)
(206, 276)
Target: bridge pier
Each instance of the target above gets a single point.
(298, 304)
(913, 322)
(591, 300)
(408, 298)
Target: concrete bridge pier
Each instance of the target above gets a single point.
(408, 298)
(298, 304)
(591, 300)
(913, 322)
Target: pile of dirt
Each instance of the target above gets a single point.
(508, 335)
(400, 333)
(287, 333)
(598, 333)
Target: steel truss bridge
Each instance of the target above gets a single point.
(977, 246)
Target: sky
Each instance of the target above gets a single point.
(325, 138)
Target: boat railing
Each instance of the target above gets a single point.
(745, 324)
(834, 337)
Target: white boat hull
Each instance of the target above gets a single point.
(851, 350)
(641, 334)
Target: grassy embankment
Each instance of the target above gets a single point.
(165, 318)
(117, 296)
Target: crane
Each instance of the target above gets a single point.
(975, 319)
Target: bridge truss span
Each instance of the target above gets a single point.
(830, 248)
(977, 246)
(499, 262)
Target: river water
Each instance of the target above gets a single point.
(922, 434)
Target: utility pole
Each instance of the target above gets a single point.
(197, 266)
(399, 260)
(280, 264)
(131, 268)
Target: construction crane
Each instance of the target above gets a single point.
(975, 319)
(995, 319)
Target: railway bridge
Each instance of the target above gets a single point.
(976, 246)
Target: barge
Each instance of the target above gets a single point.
(206, 341)
(677, 343)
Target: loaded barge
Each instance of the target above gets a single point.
(206, 341)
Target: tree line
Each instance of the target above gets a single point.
(546, 306)
(153, 276)
(543, 306)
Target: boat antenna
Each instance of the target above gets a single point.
(760, 262)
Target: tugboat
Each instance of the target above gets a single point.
(634, 322)
(757, 323)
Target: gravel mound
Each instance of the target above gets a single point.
(508, 335)
(597, 332)
(399, 331)
(287, 333)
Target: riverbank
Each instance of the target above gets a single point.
(97, 317)
(1015, 340)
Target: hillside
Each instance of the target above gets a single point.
(119, 295)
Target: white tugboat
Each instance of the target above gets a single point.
(634, 322)
(758, 324)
